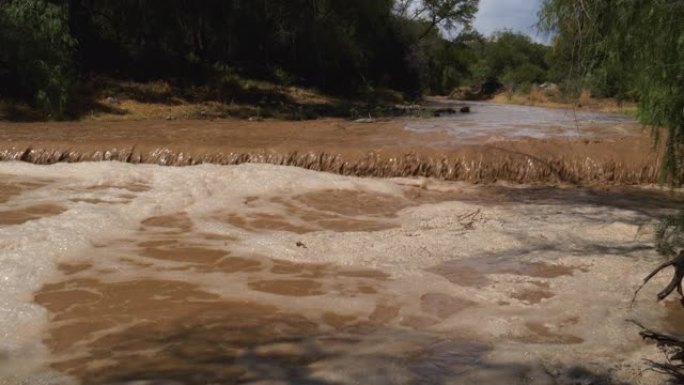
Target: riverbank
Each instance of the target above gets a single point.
(554, 99)
(103, 99)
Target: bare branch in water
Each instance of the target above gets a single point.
(675, 283)
(673, 348)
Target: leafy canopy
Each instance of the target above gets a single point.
(635, 47)
(36, 55)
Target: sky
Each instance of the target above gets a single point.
(518, 15)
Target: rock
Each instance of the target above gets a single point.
(465, 110)
(443, 111)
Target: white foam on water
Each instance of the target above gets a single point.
(515, 121)
(29, 252)
(428, 235)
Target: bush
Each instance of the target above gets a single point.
(670, 234)
(525, 73)
(37, 54)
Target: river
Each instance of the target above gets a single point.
(118, 273)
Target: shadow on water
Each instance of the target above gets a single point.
(204, 340)
(200, 354)
(281, 349)
(205, 354)
(651, 203)
(574, 250)
(173, 333)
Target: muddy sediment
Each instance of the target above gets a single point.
(383, 149)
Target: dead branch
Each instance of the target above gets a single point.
(659, 338)
(665, 342)
(468, 220)
(675, 283)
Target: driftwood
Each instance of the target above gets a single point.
(674, 350)
(675, 283)
(672, 346)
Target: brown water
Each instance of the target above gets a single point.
(172, 304)
(262, 274)
(496, 122)
(119, 274)
(494, 143)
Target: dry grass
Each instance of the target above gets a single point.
(554, 99)
(106, 99)
(132, 110)
(224, 96)
(235, 97)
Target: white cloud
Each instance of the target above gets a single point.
(517, 15)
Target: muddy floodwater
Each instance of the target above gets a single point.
(242, 269)
(114, 273)
(489, 122)
(493, 143)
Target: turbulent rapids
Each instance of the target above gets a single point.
(489, 165)
(114, 273)
(130, 274)
(494, 143)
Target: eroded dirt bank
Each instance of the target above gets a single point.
(383, 149)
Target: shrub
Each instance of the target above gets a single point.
(37, 54)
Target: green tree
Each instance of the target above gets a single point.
(639, 47)
(339, 46)
(511, 58)
(444, 14)
(37, 53)
(636, 47)
(436, 64)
